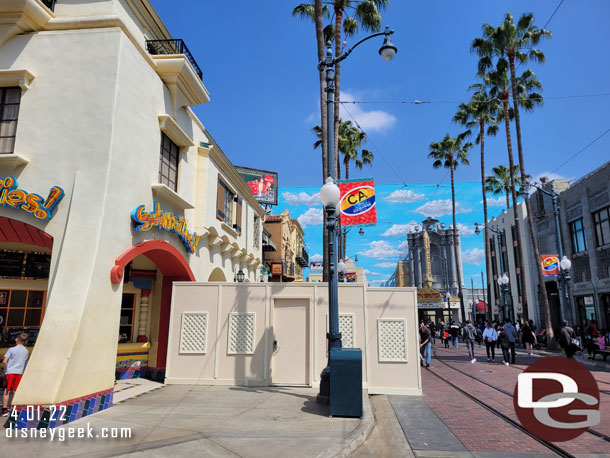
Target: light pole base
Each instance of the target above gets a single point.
(324, 394)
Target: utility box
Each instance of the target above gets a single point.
(346, 382)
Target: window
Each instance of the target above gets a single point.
(24, 265)
(577, 232)
(602, 226)
(168, 163)
(127, 314)
(225, 199)
(9, 112)
(21, 310)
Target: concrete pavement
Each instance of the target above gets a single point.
(214, 421)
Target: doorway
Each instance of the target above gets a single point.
(290, 339)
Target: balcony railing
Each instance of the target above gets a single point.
(49, 4)
(302, 258)
(177, 46)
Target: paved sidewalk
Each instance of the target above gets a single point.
(214, 421)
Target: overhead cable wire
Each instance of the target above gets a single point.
(580, 151)
(439, 102)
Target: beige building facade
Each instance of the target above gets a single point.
(112, 189)
(287, 261)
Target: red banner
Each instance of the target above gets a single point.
(357, 204)
(550, 264)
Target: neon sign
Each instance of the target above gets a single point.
(165, 221)
(31, 203)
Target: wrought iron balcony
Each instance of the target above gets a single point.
(302, 258)
(177, 46)
(49, 4)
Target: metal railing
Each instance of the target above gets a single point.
(303, 258)
(49, 4)
(176, 46)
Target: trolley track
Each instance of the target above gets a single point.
(590, 431)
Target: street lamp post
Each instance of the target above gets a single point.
(564, 264)
(330, 195)
(503, 283)
(501, 243)
(342, 241)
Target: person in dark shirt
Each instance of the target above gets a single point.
(425, 344)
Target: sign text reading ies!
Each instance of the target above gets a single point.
(31, 203)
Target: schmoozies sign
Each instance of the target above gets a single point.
(166, 221)
(37, 206)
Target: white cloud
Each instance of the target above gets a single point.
(475, 256)
(369, 121)
(386, 265)
(440, 208)
(404, 196)
(400, 230)
(316, 257)
(368, 272)
(495, 202)
(404, 246)
(465, 230)
(302, 198)
(313, 217)
(380, 249)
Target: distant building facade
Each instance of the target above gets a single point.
(286, 262)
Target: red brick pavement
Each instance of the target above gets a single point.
(505, 377)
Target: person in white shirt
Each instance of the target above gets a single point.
(14, 361)
(490, 336)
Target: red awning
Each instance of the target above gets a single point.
(481, 307)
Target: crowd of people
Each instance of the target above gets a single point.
(505, 337)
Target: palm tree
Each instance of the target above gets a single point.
(350, 16)
(449, 153)
(316, 12)
(512, 42)
(481, 111)
(499, 182)
(350, 144)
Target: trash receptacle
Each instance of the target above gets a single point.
(346, 382)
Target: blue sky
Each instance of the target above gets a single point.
(398, 208)
(259, 64)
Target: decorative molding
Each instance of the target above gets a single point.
(598, 201)
(13, 159)
(242, 326)
(178, 75)
(22, 78)
(392, 339)
(166, 194)
(171, 128)
(194, 332)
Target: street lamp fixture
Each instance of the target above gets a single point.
(342, 269)
(240, 276)
(387, 50)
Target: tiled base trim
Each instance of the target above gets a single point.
(44, 416)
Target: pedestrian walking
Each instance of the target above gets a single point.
(490, 336)
(469, 334)
(454, 330)
(528, 337)
(512, 338)
(432, 329)
(14, 361)
(425, 345)
(567, 340)
(446, 338)
(503, 339)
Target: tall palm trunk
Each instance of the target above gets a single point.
(318, 20)
(485, 230)
(338, 22)
(455, 249)
(513, 188)
(507, 199)
(530, 217)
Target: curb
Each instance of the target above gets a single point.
(357, 437)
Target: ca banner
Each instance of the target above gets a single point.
(357, 202)
(550, 264)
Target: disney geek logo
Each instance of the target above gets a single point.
(557, 399)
